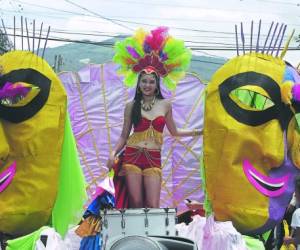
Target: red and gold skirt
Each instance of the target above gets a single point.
(141, 161)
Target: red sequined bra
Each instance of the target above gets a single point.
(148, 130)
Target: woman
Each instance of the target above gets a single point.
(144, 58)
(148, 113)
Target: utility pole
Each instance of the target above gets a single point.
(54, 64)
(58, 63)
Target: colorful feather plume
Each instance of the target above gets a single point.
(168, 57)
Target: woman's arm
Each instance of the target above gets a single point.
(127, 125)
(174, 131)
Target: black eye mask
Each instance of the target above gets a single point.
(33, 77)
(250, 117)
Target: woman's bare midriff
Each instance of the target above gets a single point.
(146, 144)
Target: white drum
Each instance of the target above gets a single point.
(137, 242)
(138, 221)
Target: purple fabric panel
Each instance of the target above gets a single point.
(97, 99)
(181, 172)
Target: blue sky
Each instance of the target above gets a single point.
(205, 23)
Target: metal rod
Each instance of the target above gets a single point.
(33, 35)
(236, 41)
(38, 48)
(276, 40)
(267, 38)
(27, 34)
(251, 35)
(272, 38)
(22, 32)
(281, 39)
(14, 33)
(243, 38)
(258, 35)
(46, 42)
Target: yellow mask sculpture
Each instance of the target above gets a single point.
(31, 137)
(249, 174)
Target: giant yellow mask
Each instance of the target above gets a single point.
(32, 119)
(250, 157)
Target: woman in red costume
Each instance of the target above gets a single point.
(147, 114)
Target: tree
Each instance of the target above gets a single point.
(5, 43)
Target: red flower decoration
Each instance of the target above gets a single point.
(153, 61)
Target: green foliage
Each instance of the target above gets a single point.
(5, 44)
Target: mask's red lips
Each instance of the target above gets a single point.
(7, 176)
(268, 186)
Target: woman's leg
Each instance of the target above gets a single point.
(135, 190)
(152, 186)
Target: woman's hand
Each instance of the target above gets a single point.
(111, 161)
(197, 132)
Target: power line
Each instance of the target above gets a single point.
(62, 16)
(54, 31)
(101, 16)
(112, 18)
(174, 27)
(102, 35)
(120, 21)
(189, 20)
(66, 32)
(230, 34)
(110, 44)
(204, 61)
(99, 33)
(106, 35)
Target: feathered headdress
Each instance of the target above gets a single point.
(155, 52)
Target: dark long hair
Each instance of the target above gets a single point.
(136, 113)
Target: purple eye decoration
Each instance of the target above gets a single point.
(12, 93)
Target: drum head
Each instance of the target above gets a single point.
(135, 242)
